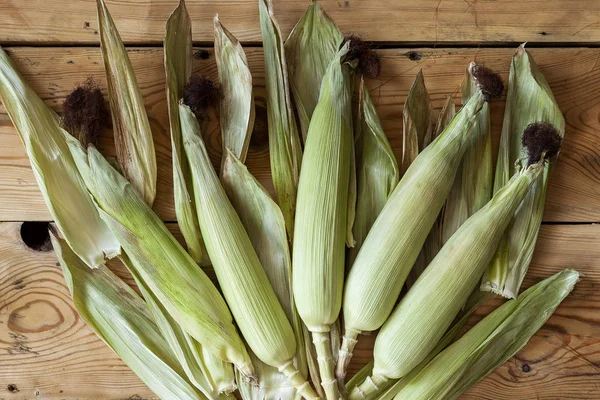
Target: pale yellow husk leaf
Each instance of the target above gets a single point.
(237, 105)
(529, 99)
(120, 317)
(178, 68)
(133, 136)
(62, 187)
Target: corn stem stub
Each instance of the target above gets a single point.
(529, 100)
(120, 317)
(408, 335)
(244, 283)
(133, 136)
(321, 215)
(397, 236)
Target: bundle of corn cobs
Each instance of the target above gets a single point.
(354, 241)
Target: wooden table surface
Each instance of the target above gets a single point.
(47, 352)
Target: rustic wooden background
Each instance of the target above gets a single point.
(47, 352)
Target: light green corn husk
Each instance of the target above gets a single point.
(399, 232)
(321, 216)
(309, 49)
(178, 68)
(410, 334)
(120, 317)
(187, 351)
(265, 225)
(237, 105)
(133, 136)
(491, 342)
(529, 99)
(416, 117)
(433, 243)
(243, 280)
(377, 169)
(284, 144)
(182, 288)
(56, 174)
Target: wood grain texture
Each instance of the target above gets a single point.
(416, 21)
(572, 74)
(47, 351)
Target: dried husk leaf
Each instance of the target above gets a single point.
(182, 288)
(264, 222)
(187, 351)
(120, 317)
(237, 105)
(410, 334)
(56, 174)
(133, 136)
(416, 117)
(529, 99)
(309, 49)
(472, 187)
(491, 342)
(239, 271)
(284, 143)
(399, 232)
(178, 68)
(377, 169)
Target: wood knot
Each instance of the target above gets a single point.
(27, 319)
(414, 56)
(36, 235)
(202, 55)
(12, 388)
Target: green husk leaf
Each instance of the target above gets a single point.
(133, 136)
(309, 49)
(56, 174)
(491, 342)
(377, 169)
(120, 317)
(237, 105)
(265, 225)
(186, 350)
(183, 289)
(529, 99)
(284, 143)
(244, 283)
(178, 68)
(416, 117)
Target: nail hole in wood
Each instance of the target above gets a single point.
(12, 388)
(36, 235)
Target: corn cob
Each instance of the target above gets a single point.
(243, 281)
(410, 334)
(397, 236)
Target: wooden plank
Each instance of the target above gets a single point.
(47, 349)
(572, 73)
(416, 21)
